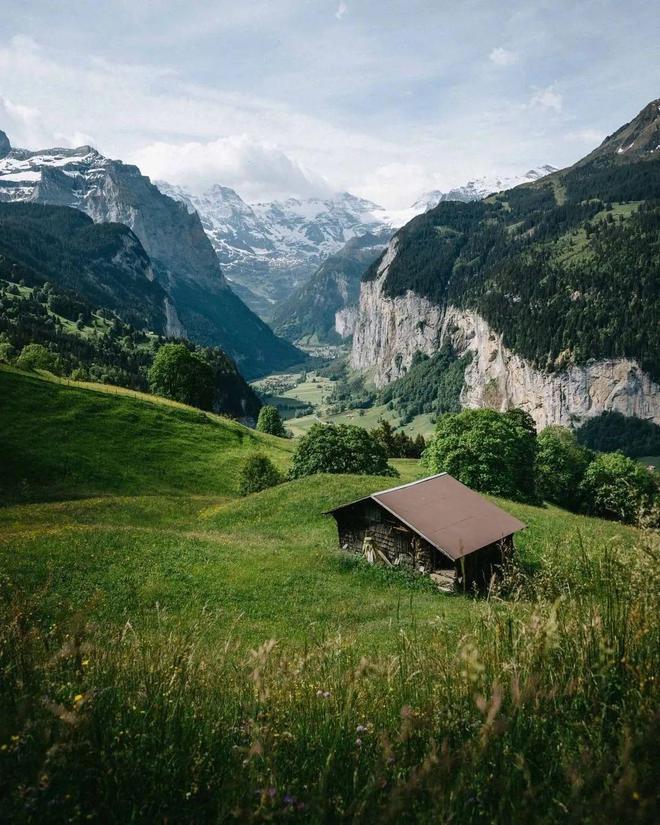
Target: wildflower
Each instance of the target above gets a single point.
(78, 698)
(358, 742)
(361, 728)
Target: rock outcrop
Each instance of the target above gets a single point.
(346, 321)
(389, 331)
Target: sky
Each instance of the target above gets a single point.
(279, 98)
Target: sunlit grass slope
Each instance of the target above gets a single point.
(153, 526)
(63, 442)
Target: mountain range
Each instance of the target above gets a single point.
(201, 304)
(476, 190)
(551, 288)
(268, 251)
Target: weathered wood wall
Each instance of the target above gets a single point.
(396, 541)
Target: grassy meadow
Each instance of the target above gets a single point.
(172, 652)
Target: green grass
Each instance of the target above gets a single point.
(369, 419)
(136, 614)
(95, 441)
(314, 391)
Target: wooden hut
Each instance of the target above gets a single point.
(436, 525)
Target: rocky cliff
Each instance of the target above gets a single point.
(310, 312)
(552, 286)
(390, 330)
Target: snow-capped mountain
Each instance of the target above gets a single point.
(184, 262)
(267, 250)
(475, 190)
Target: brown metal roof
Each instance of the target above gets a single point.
(450, 516)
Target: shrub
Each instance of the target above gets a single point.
(269, 421)
(6, 352)
(617, 487)
(560, 465)
(342, 448)
(37, 357)
(258, 473)
(182, 375)
(489, 451)
(613, 431)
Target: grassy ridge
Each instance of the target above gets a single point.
(105, 442)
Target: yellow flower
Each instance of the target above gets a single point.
(78, 698)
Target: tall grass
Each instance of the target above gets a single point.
(546, 711)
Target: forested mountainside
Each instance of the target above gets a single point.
(566, 269)
(310, 312)
(86, 293)
(104, 263)
(181, 254)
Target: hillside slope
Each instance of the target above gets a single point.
(310, 312)
(64, 441)
(537, 282)
(103, 263)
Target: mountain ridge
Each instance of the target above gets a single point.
(552, 286)
(183, 258)
(269, 250)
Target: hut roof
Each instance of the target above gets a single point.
(450, 516)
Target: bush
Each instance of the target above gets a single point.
(398, 444)
(560, 466)
(269, 421)
(613, 431)
(258, 473)
(37, 357)
(489, 451)
(182, 375)
(617, 487)
(6, 352)
(342, 448)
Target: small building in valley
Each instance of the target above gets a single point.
(436, 525)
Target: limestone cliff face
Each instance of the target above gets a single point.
(389, 331)
(345, 321)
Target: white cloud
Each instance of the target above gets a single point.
(503, 57)
(342, 9)
(22, 123)
(591, 137)
(547, 98)
(256, 170)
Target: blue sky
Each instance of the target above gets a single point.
(386, 99)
